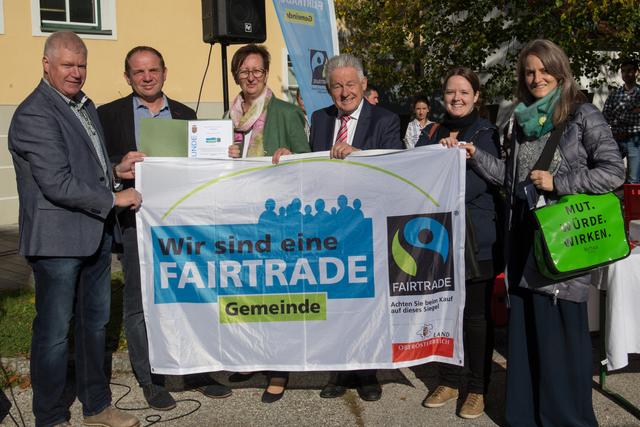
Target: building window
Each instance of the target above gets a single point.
(289, 82)
(90, 17)
(1, 17)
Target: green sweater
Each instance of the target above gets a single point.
(284, 128)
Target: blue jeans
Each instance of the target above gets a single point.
(632, 146)
(66, 288)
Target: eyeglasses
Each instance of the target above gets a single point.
(258, 73)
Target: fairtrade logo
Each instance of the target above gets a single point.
(317, 59)
(420, 259)
(413, 231)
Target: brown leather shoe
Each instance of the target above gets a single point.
(440, 397)
(111, 417)
(473, 406)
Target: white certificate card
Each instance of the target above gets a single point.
(209, 139)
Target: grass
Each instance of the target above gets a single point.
(17, 310)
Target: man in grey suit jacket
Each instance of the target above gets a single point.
(65, 186)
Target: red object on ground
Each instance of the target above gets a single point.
(499, 312)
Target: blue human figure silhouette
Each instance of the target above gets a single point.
(345, 212)
(269, 214)
(321, 215)
(334, 211)
(307, 218)
(294, 216)
(281, 220)
(357, 211)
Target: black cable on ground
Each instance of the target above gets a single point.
(154, 418)
(13, 397)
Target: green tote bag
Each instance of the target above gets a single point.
(579, 233)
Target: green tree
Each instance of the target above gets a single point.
(408, 45)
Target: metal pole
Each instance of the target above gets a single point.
(225, 79)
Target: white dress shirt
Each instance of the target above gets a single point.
(351, 124)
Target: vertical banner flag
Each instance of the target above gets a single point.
(310, 32)
(312, 264)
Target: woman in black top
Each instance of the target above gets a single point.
(463, 123)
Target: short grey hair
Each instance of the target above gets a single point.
(343, 61)
(64, 39)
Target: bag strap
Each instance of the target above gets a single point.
(544, 161)
(433, 129)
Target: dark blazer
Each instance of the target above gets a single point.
(119, 128)
(376, 128)
(120, 137)
(65, 196)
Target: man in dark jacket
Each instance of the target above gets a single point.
(352, 124)
(146, 73)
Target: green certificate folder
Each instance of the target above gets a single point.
(163, 137)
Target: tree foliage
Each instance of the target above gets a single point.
(408, 45)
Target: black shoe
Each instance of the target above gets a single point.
(158, 397)
(274, 397)
(238, 377)
(369, 388)
(215, 390)
(331, 391)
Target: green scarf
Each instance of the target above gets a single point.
(536, 119)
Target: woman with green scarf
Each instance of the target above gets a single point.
(549, 350)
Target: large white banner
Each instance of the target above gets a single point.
(313, 264)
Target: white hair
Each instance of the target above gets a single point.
(343, 61)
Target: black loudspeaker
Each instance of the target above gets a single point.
(233, 21)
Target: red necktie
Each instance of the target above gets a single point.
(343, 132)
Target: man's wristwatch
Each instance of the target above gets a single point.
(117, 182)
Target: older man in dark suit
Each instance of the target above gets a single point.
(145, 72)
(65, 186)
(352, 124)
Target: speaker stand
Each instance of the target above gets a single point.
(225, 78)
